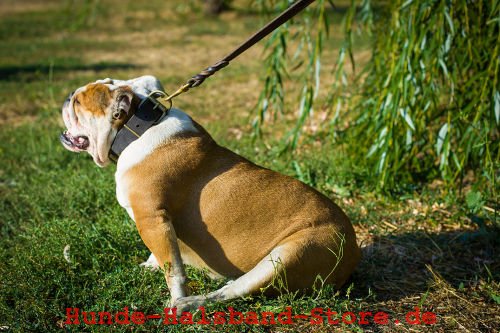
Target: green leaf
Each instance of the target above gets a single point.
(474, 201)
(497, 106)
(449, 20)
(406, 4)
(443, 66)
(495, 297)
(409, 137)
(443, 132)
(407, 118)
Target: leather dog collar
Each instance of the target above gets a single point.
(148, 113)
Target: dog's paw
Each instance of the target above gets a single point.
(188, 304)
(151, 263)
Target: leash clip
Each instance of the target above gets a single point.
(165, 99)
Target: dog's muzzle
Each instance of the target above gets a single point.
(74, 143)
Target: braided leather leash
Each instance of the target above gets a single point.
(198, 79)
(158, 103)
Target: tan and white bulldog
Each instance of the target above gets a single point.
(197, 203)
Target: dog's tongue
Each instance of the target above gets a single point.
(79, 140)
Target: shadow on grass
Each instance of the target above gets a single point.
(401, 265)
(8, 73)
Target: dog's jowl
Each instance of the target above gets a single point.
(195, 202)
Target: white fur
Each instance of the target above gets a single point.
(151, 263)
(142, 86)
(176, 122)
(250, 282)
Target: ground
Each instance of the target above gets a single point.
(65, 242)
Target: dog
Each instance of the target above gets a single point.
(197, 203)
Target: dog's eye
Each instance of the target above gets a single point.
(77, 102)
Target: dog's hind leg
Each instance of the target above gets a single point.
(292, 265)
(251, 282)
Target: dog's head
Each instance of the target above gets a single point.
(94, 113)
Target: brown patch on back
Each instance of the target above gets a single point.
(94, 99)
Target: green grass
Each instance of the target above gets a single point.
(421, 246)
(52, 199)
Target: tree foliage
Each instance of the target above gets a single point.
(427, 104)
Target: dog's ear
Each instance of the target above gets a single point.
(123, 102)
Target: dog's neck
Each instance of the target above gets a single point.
(148, 113)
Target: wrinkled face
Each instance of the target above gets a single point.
(93, 114)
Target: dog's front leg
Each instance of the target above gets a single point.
(157, 232)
